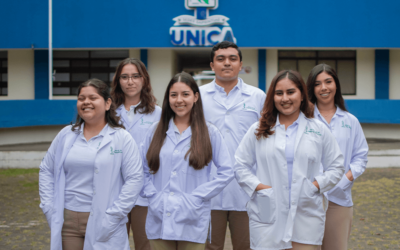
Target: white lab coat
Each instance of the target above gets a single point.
(117, 181)
(179, 196)
(138, 129)
(233, 122)
(274, 220)
(348, 133)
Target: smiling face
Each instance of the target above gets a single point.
(226, 64)
(182, 99)
(325, 89)
(131, 81)
(91, 106)
(287, 98)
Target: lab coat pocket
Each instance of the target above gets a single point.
(109, 226)
(310, 200)
(262, 207)
(191, 210)
(156, 208)
(247, 117)
(313, 189)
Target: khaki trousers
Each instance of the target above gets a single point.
(74, 229)
(137, 222)
(175, 245)
(298, 246)
(337, 227)
(238, 226)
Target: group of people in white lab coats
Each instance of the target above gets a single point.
(277, 169)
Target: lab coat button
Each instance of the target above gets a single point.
(96, 171)
(294, 180)
(174, 173)
(227, 130)
(168, 214)
(172, 193)
(227, 113)
(293, 202)
(94, 192)
(176, 151)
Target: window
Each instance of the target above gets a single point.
(3, 73)
(74, 67)
(343, 61)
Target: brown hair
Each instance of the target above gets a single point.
(147, 99)
(200, 151)
(104, 91)
(312, 77)
(270, 112)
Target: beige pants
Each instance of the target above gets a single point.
(337, 227)
(74, 229)
(137, 222)
(298, 246)
(175, 245)
(238, 225)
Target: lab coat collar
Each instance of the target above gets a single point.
(171, 132)
(242, 87)
(339, 112)
(121, 111)
(297, 121)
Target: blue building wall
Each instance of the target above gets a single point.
(145, 24)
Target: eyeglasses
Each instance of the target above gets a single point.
(125, 78)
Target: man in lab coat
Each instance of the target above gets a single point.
(233, 106)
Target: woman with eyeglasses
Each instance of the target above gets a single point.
(177, 155)
(324, 92)
(287, 206)
(133, 95)
(91, 176)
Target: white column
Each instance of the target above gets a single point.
(161, 65)
(134, 53)
(394, 74)
(250, 59)
(21, 75)
(365, 75)
(272, 65)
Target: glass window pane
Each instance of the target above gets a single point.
(4, 77)
(287, 64)
(99, 63)
(297, 54)
(61, 91)
(80, 77)
(114, 63)
(4, 64)
(3, 54)
(109, 53)
(347, 76)
(305, 66)
(61, 63)
(337, 54)
(71, 54)
(62, 77)
(74, 91)
(331, 63)
(101, 76)
(111, 76)
(4, 91)
(80, 63)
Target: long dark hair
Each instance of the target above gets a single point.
(312, 77)
(200, 151)
(270, 112)
(147, 99)
(103, 90)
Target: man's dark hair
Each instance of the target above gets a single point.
(224, 45)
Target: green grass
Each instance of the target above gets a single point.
(18, 171)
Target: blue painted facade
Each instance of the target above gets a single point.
(145, 24)
(103, 24)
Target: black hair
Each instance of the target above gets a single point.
(224, 45)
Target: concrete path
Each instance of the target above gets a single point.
(382, 154)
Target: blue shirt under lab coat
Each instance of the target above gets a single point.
(117, 181)
(179, 196)
(232, 114)
(138, 129)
